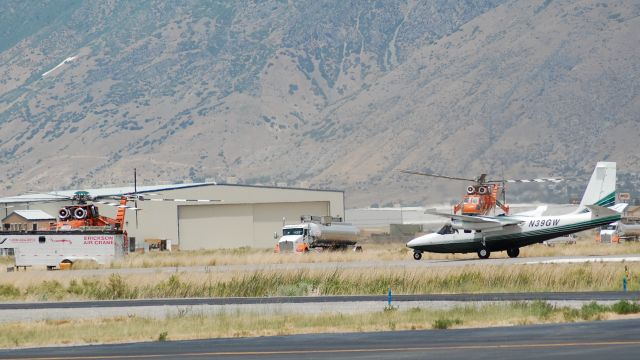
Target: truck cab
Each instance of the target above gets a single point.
(609, 233)
(294, 239)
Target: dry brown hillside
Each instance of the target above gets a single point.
(326, 94)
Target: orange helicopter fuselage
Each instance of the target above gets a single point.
(84, 215)
(480, 200)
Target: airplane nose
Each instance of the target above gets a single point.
(412, 243)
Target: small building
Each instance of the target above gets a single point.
(632, 212)
(28, 220)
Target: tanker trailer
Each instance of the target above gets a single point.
(318, 232)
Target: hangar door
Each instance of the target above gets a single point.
(236, 225)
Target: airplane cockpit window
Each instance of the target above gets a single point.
(447, 229)
(609, 227)
(466, 200)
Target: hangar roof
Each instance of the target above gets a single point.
(33, 215)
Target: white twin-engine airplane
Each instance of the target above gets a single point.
(484, 234)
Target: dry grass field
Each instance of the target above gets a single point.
(390, 251)
(190, 325)
(370, 277)
(68, 285)
(372, 252)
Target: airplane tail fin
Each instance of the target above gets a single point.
(601, 190)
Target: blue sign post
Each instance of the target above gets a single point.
(389, 298)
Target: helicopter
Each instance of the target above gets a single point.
(81, 215)
(482, 196)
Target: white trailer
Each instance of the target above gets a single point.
(322, 232)
(61, 249)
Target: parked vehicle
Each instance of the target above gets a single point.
(619, 231)
(323, 232)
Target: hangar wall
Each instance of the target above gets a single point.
(236, 225)
(247, 216)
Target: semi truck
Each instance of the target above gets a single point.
(619, 231)
(318, 232)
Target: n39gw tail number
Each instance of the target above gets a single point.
(541, 223)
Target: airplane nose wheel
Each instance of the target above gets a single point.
(483, 253)
(513, 252)
(417, 255)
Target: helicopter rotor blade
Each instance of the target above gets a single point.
(141, 197)
(436, 175)
(538, 180)
(117, 205)
(182, 200)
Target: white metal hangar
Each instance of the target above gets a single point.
(246, 216)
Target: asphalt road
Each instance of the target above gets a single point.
(545, 296)
(592, 340)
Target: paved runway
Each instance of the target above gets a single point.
(592, 340)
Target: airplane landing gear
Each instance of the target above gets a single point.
(483, 253)
(417, 255)
(513, 252)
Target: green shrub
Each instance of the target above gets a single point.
(446, 323)
(542, 309)
(592, 311)
(570, 314)
(47, 290)
(8, 291)
(625, 307)
(118, 288)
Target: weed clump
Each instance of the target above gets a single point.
(442, 324)
(8, 291)
(163, 336)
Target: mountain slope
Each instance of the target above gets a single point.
(330, 94)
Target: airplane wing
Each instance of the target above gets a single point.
(477, 222)
(535, 212)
